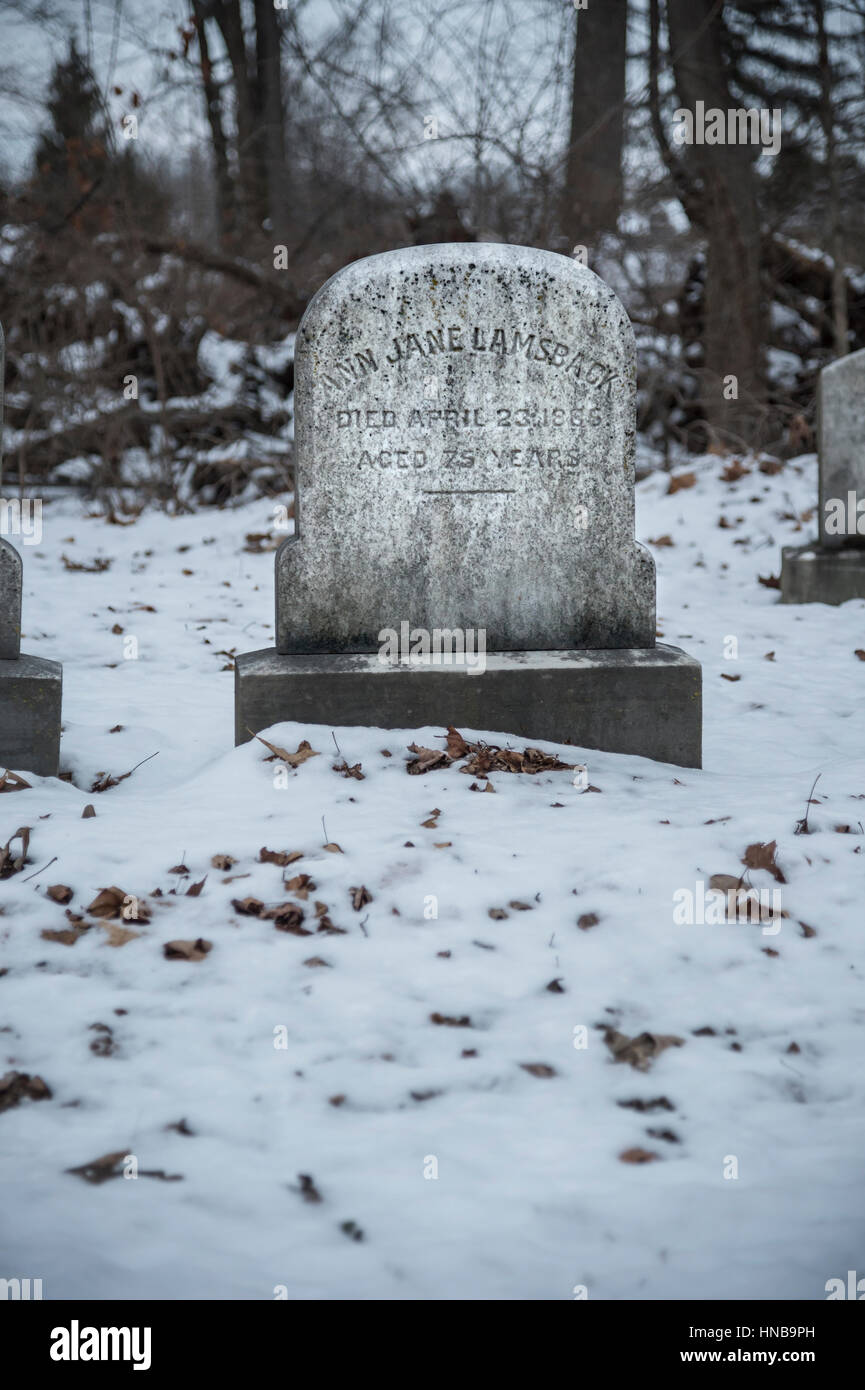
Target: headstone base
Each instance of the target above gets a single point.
(30, 701)
(811, 574)
(646, 701)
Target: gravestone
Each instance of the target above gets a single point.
(832, 570)
(465, 430)
(30, 688)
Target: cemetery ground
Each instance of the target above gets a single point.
(429, 1094)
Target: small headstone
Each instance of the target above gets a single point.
(465, 427)
(10, 602)
(833, 570)
(30, 687)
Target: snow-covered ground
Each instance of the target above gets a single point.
(436, 1165)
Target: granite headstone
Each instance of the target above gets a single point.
(832, 570)
(465, 426)
(30, 687)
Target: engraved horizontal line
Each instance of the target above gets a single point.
(463, 491)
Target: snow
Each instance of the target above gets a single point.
(531, 1198)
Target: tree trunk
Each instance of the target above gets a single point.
(734, 334)
(224, 187)
(271, 116)
(230, 20)
(836, 235)
(592, 195)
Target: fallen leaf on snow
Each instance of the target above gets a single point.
(734, 471)
(308, 1190)
(66, 937)
(16, 1086)
(641, 1050)
(281, 857)
(11, 782)
(725, 883)
(762, 856)
(187, 950)
(289, 918)
(301, 886)
(111, 1166)
(248, 907)
(113, 902)
(304, 751)
(426, 759)
(646, 1106)
(681, 480)
(13, 863)
(637, 1156)
(59, 893)
(456, 744)
(356, 771)
(118, 936)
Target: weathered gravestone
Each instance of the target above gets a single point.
(833, 569)
(30, 688)
(465, 471)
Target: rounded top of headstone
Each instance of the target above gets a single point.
(853, 361)
(547, 275)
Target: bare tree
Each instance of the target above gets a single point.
(592, 195)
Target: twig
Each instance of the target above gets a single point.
(40, 871)
(802, 827)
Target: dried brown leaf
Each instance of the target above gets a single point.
(762, 856)
(187, 950)
(456, 744)
(678, 481)
(11, 782)
(426, 759)
(641, 1050)
(16, 1086)
(281, 857)
(248, 907)
(118, 936)
(304, 751)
